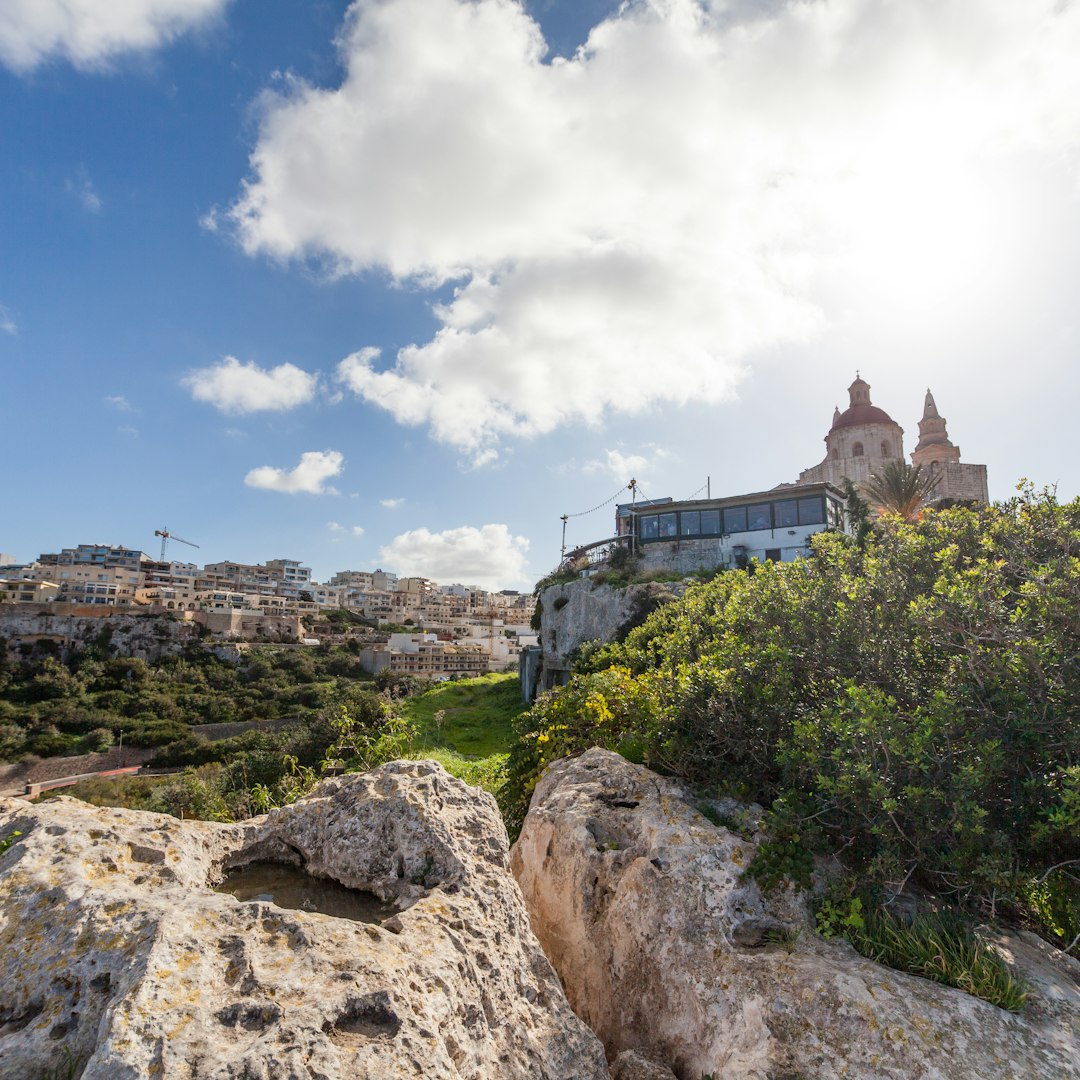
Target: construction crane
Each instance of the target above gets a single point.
(166, 536)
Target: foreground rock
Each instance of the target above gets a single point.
(637, 900)
(115, 954)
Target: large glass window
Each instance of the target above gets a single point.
(667, 526)
(735, 519)
(811, 511)
(759, 517)
(710, 522)
(787, 513)
(690, 523)
(648, 526)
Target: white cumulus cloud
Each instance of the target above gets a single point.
(617, 465)
(631, 225)
(308, 477)
(391, 504)
(90, 33)
(489, 556)
(234, 387)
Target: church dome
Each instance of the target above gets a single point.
(861, 414)
(860, 410)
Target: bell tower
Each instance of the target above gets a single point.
(934, 444)
(859, 392)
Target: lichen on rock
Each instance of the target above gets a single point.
(116, 953)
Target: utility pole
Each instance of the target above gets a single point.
(562, 553)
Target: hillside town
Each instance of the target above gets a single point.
(405, 624)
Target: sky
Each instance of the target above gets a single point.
(398, 283)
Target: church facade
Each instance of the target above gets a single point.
(863, 438)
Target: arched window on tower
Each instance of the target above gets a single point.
(857, 450)
(884, 449)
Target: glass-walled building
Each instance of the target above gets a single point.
(706, 533)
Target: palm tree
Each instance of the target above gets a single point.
(857, 512)
(901, 489)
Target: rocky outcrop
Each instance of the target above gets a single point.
(664, 949)
(580, 611)
(138, 634)
(116, 954)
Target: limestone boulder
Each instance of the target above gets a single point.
(118, 961)
(665, 950)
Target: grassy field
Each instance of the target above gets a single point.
(467, 726)
(477, 715)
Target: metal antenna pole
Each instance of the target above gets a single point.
(708, 487)
(562, 554)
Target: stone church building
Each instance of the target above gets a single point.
(864, 437)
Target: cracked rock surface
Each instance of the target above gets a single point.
(116, 954)
(664, 950)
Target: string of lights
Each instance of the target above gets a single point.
(606, 502)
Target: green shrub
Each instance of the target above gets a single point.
(607, 709)
(909, 702)
(561, 575)
(1053, 905)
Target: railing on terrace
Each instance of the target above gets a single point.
(597, 553)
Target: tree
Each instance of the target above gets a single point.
(901, 489)
(857, 512)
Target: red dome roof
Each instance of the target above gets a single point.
(862, 414)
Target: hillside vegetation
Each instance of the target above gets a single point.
(908, 702)
(466, 725)
(81, 702)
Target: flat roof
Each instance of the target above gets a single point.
(790, 491)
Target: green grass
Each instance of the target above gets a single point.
(478, 715)
(944, 947)
(69, 1068)
(486, 773)
(475, 733)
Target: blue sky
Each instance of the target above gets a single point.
(398, 283)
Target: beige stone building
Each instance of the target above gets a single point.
(863, 438)
(27, 592)
(935, 451)
(425, 655)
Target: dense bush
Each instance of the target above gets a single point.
(51, 705)
(910, 700)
